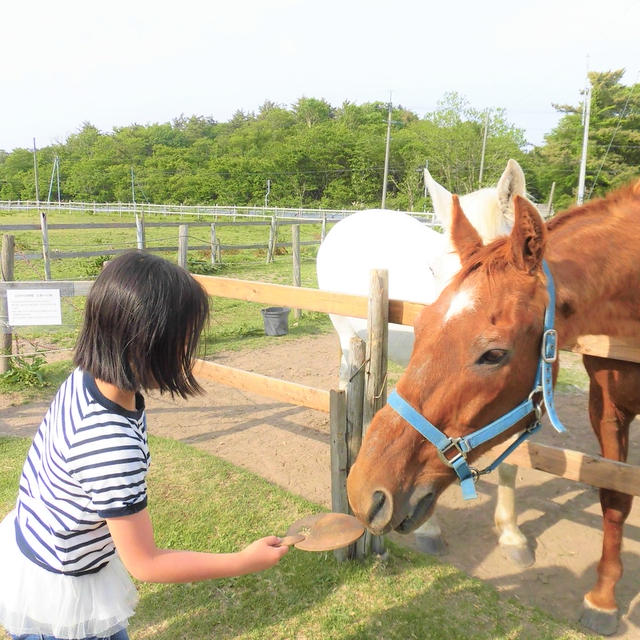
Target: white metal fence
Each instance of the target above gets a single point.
(130, 208)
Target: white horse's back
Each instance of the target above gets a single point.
(417, 258)
(380, 239)
(391, 240)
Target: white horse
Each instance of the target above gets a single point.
(419, 261)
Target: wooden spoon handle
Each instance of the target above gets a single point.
(290, 540)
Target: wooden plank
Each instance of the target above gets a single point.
(375, 379)
(355, 397)
(619, 348)
(401, 312)
(355, 406)
(7, 264)
(285, 295)
(338, 457)
(304, 298)
(581, 467)
(282, 390)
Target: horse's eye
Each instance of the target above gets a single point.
(493, 356)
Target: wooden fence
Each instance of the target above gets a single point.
(214, 247)
(346, 431)
(566, 463)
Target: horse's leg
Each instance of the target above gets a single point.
(612, 388)
(345, 330)
(511, 540)
(428, 537)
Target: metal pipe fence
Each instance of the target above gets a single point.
(130, 208)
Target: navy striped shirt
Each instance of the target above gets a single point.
(88, 461)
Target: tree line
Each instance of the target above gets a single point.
(313, 154)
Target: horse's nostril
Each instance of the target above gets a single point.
(377, 503)
(380, 511)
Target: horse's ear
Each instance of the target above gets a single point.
(511, 184)
(441, 199)
(466, 240)
(528, 236)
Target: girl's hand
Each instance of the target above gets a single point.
(263, 553)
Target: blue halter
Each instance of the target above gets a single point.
(453, 451)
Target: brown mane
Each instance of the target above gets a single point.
(494, 256)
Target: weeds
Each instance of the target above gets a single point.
(25, 372)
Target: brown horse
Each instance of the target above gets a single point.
(476, 355)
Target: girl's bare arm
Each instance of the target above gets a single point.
(133, 537)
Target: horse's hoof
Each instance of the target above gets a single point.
(602, 621)
(433, 545)
(523, 557)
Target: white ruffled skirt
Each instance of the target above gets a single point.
(34, 600)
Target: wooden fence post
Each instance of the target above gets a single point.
(139, 230)
(355, 402)
(183, 242)
(214, 241)
(295, 245)
(273, 232)
(45, 245)
(338, 427)
(376, 370)
(6, 272)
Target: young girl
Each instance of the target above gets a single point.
(81, 516)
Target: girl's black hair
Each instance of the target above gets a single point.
(143, 319)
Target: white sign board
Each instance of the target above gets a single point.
(33, 307)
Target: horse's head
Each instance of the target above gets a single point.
(475, 357)
(490, 210)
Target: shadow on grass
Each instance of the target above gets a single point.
(310, 596)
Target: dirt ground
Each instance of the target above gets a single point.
(289, 445)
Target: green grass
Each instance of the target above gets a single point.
(572, 375)
(234, 324)
(104, 240)
(200, 502)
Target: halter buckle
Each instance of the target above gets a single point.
(537, 405)
(549, 351)
(454, 443)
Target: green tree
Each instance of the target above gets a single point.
(613, 151)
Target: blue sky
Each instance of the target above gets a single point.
(143, 61)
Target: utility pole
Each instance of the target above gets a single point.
(266, 195)
(54, 171)
(484, 146)
(35, 171)
(58, 176)
(386, 158)
(550, 202)
(424, 204)
(139, 219)
(585, 141)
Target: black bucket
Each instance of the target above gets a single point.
(276, 320)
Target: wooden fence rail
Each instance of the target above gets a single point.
(566, 463)
(215, 247)
(574, 465)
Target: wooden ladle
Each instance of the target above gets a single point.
(324, 532)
